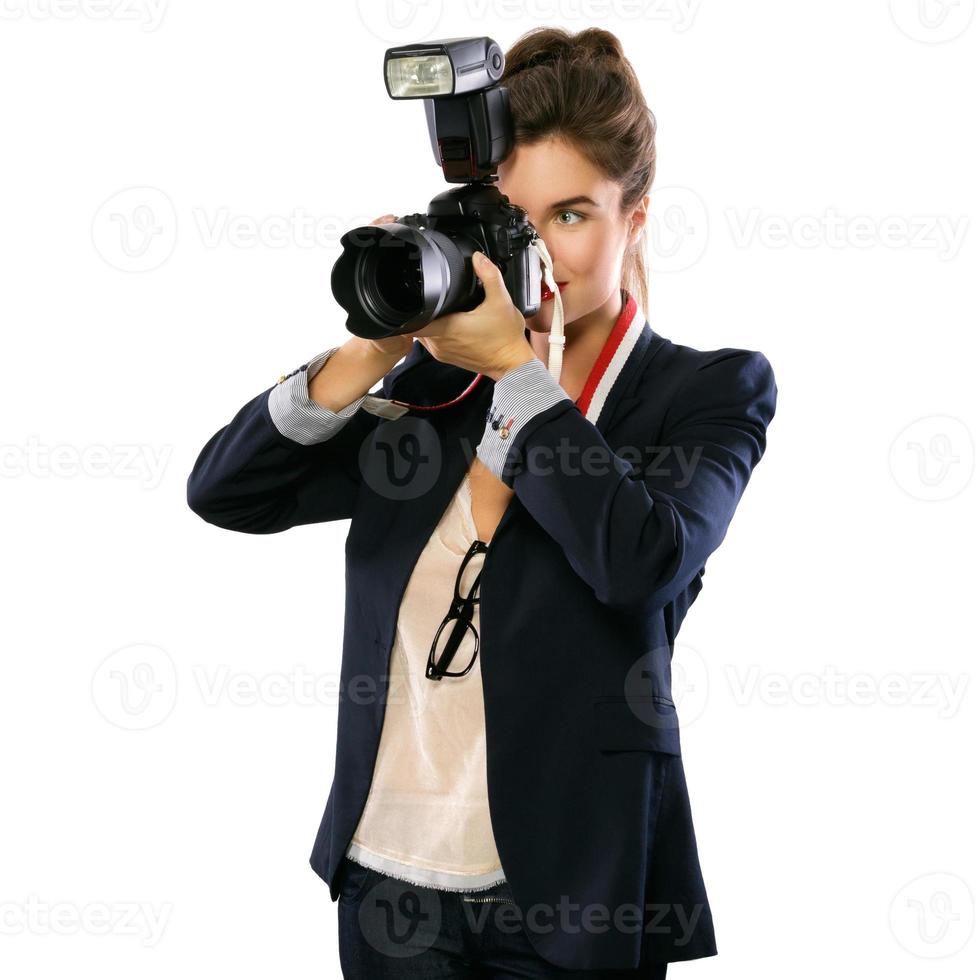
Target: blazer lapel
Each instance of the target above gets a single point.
(618, 367)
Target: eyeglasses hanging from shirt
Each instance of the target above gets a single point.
(462, 638)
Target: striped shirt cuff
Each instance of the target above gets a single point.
(518, 396)
(300, 418)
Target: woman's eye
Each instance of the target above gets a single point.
(575, 214)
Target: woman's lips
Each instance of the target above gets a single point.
(546, 292)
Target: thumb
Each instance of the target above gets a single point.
(490, 277)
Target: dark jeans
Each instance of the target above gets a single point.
(389, 928)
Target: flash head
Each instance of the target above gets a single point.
(433, 69)
(395, 278)
(466, 110)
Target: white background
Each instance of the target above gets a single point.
(815, 199)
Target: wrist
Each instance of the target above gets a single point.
(511, 359)
(370, 354)
(368, 348)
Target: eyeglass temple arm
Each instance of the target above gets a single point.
(455, 637)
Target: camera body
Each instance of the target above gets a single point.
(396, 278)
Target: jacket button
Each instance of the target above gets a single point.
(504, 432)
(282, 377)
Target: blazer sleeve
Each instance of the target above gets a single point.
(639, 530)
(283, 460)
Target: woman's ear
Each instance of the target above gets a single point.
(638, 220)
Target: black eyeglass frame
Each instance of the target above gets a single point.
(461, 614)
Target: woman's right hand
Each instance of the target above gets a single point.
(400, 344)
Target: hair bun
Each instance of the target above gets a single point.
(543, 45)
(595, 42)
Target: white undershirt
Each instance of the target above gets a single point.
(427, 815)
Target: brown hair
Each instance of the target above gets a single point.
(581, 88)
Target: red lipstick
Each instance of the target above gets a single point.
(546, 292)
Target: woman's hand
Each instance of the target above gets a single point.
(488, 339)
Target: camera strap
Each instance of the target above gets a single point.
(556, 339)
(388, 408)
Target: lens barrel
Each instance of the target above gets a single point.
(396, 278)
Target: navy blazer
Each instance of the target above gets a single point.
(587, 579)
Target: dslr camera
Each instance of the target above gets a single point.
(395, 278)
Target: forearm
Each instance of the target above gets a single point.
(638, 524)
(285, 459)
(251, 477)
(351, 371)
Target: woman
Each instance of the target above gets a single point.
(518, 755)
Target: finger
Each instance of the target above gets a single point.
(383, 219)
(490, 277)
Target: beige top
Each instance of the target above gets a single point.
(427, 815)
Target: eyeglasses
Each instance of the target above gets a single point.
(463, 637)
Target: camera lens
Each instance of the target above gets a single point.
(397, 278)
(389, 280)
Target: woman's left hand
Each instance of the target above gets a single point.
(489, 339)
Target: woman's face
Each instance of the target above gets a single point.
(576, 210)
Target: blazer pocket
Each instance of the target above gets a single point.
(624, 723)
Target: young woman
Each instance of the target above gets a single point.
(508, 797)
